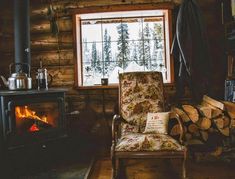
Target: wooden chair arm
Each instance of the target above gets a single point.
(115, 123)
(182, 130)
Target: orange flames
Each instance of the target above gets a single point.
(23, 113)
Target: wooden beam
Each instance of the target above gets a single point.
(126, 7)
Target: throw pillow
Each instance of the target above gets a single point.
(157, 122)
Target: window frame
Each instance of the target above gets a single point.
(117, 8)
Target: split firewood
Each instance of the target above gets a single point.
(213, 102)
(196, 134)
(175, 130)
(192, 128)
(204, 135)
(232, 123)
(215, 111)
(212, 130)
(205, 111)
(204, 123)
(173, 115)
(182, 114)
(225, 131)
(217, 152)
(191, 112)
(231, 114)
(226, 121)
(219, 122)
(230, 108)
(188, 136)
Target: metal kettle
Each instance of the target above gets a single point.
(18, 80)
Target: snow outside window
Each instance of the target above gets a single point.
(112, 43)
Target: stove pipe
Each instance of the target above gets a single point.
(22, 33)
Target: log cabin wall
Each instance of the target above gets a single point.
(46, 47)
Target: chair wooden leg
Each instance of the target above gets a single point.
(114, 169)
(121, 169)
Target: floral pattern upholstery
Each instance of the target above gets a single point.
(147, 142)
(140, 93)
(128, 128)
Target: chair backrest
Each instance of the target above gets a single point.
(140, 93)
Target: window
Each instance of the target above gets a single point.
(115, 42)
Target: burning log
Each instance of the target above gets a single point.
(31, 125)
(28, 121)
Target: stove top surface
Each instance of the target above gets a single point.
(33, 91)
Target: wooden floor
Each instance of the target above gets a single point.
(165, 169)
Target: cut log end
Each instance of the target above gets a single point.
(191, 112)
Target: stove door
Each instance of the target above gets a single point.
(33, 121)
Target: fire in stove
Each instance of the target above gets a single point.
(28, 120)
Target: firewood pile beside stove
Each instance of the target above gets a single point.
(209, 124)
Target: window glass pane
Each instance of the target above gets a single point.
(86, 52)
(88, 74)
(110, 26)
(134, 28)
(91, 31)
(113, 75)
(122, 44)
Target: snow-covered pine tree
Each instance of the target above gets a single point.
(96, 59)
(93, 55)
(141, 46)
(147, 54)
(158, 44)
(134, 54)
(123, 45)
(107, 51)
(85, 50)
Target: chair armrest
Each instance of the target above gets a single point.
(115, 123)
(182, 129)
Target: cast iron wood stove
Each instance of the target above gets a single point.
(31, 117)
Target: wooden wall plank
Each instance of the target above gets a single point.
(43, 26)
(47, 41)
(53, 58)
(44, 47)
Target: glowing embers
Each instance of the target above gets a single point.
(28, 120)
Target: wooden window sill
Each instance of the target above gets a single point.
(115, 86)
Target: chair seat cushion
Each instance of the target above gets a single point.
(147, 142)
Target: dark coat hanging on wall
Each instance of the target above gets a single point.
(190, 49)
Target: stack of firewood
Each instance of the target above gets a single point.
(200, 121)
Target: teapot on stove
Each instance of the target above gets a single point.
(18, 80)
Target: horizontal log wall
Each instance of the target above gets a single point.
(57, 52)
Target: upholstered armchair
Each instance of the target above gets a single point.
(141, 93)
